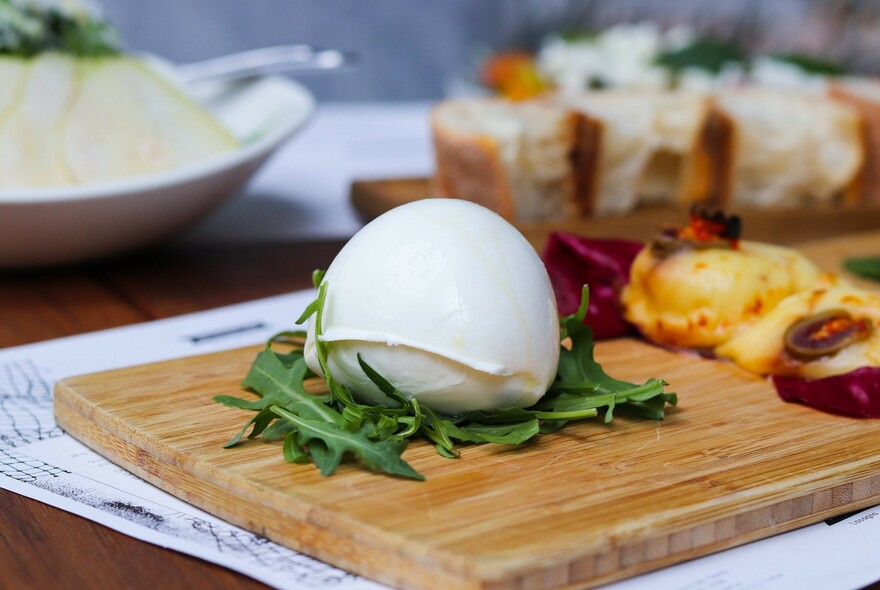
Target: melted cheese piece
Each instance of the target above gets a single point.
(761, 348)
(702, 298)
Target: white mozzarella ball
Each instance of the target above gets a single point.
(445, 300)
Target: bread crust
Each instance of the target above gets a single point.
(584, 158)
(848, 129)
(478, 161)
(469, 167)
(700, 169)
(867, 187)
(716, 155)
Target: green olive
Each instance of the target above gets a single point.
(824, 334)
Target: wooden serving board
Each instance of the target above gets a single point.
(371, 198)
(591, 504)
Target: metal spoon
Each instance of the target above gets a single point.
(298, 59)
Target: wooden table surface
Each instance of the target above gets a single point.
(43, 547)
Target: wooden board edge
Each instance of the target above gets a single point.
(390, 563)
(89, 425)
(371, 198)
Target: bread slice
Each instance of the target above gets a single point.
(606, 152)
(790, 149)
(653, 146)
(863, 94)
(516, 158)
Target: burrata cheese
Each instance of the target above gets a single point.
(448, 302)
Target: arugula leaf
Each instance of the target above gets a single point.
(812, 64)
(283, 386)
(30, 27)
(703, 54)
(293, 451)
(334, 442)
(509, 433)
(316, 308)
(327, 429)
(288, 337)
(574, 35)
(259, 422)
(581, 383)
(867, 267)
(309, 426)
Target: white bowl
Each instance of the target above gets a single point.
(58, 225)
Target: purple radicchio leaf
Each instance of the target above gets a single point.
(856, 393)
(603, 264)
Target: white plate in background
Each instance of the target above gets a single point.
(58, 225)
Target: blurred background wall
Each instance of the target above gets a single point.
(411, 48)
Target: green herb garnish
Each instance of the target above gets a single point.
(326, 429)
(575, 35)
(703, 54)
(811, 64)
(867, 267)
(28, 27)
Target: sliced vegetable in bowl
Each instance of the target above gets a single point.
(103, 151)
(73, 121)
(52, 225)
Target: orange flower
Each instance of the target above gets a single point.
(514, 75)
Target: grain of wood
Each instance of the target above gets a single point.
(48, 303)
(57, 303)
(569, 511)
(114, 560)
(781, 226)
(829, 254)
(173, 281)
(588, 505)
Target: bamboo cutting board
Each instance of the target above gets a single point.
(588, 505)
(371, 198)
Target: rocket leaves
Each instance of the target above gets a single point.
(866, 267)
(578, 370)
(327, 443)
(330, 427)
(28, 28)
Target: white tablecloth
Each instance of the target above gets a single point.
(303, 191)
